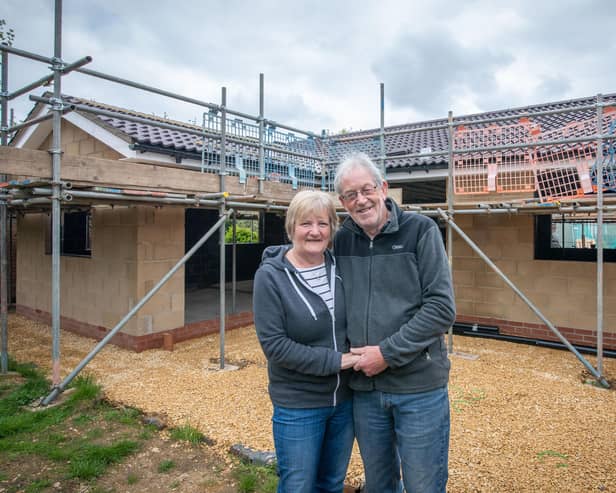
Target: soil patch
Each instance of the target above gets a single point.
(67, 455)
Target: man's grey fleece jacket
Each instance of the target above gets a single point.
(303, 343)
(399, 296)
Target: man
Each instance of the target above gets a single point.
(400, 302)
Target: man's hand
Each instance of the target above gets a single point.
(371, 361)
(349, 360)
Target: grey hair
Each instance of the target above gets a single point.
(353, 161)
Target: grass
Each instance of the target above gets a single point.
(127, 416)
(73, 443)
(132, 478)
(461, 398)
(62, 434)
(90, 461)
(187, 433)
(166, 466)
(551, 453)
(147, 432)
(85, 389)
(39, 485)
(255, 479)
(82, 419)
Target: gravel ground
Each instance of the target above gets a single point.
(524, 419)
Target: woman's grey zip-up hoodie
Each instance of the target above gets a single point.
(302, 342)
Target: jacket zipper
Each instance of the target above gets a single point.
(369, 293)
(332, 287)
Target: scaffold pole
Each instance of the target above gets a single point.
(529, 303)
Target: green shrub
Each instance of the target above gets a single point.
(242, 235)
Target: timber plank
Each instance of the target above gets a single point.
(126, 174)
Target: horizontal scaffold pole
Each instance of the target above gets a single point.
(45, 80)
(25, 54)
(179, 97)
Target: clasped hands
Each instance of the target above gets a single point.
(366, 358)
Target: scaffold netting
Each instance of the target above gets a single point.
(479, 172)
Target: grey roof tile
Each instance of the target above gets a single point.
(336, 146)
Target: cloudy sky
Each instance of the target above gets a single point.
(323, 60)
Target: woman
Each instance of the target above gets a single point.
(301, 324)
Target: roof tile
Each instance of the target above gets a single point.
(333, 148)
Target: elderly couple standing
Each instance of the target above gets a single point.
(355, 343)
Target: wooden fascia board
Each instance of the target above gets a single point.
(33, 136)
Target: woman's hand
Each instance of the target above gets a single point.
(349, 360)
(371, 360)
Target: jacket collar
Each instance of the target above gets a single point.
(276, 256)
(391, 226)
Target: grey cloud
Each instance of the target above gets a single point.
(425, 72)
(310, 51)
(223, 37)
(291, 109)
(555, 87)
(573, 25)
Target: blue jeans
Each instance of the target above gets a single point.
(408, 430)
(313, 447)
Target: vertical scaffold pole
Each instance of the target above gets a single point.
(221, 233)
(450, 212)
(261, 134)
(4, 275)
(223, 140)
(234, 264)
(56, 151)
(203, 128)
(382, 131)
(599, 236)
(222, 309)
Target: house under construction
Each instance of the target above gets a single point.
(101, 203)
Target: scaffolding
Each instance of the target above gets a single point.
(265, 148)
(508, 154)
(497, 170)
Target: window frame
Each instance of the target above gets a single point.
(544, 250)
(83, 233)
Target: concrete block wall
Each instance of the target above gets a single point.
(114, 267)
(160, 245)
(33, 283)
(95, 290)
(565, 292)
(76, 141)
(132, 249)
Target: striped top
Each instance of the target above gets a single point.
(316, 278)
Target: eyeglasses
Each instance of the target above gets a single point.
(351, 195)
